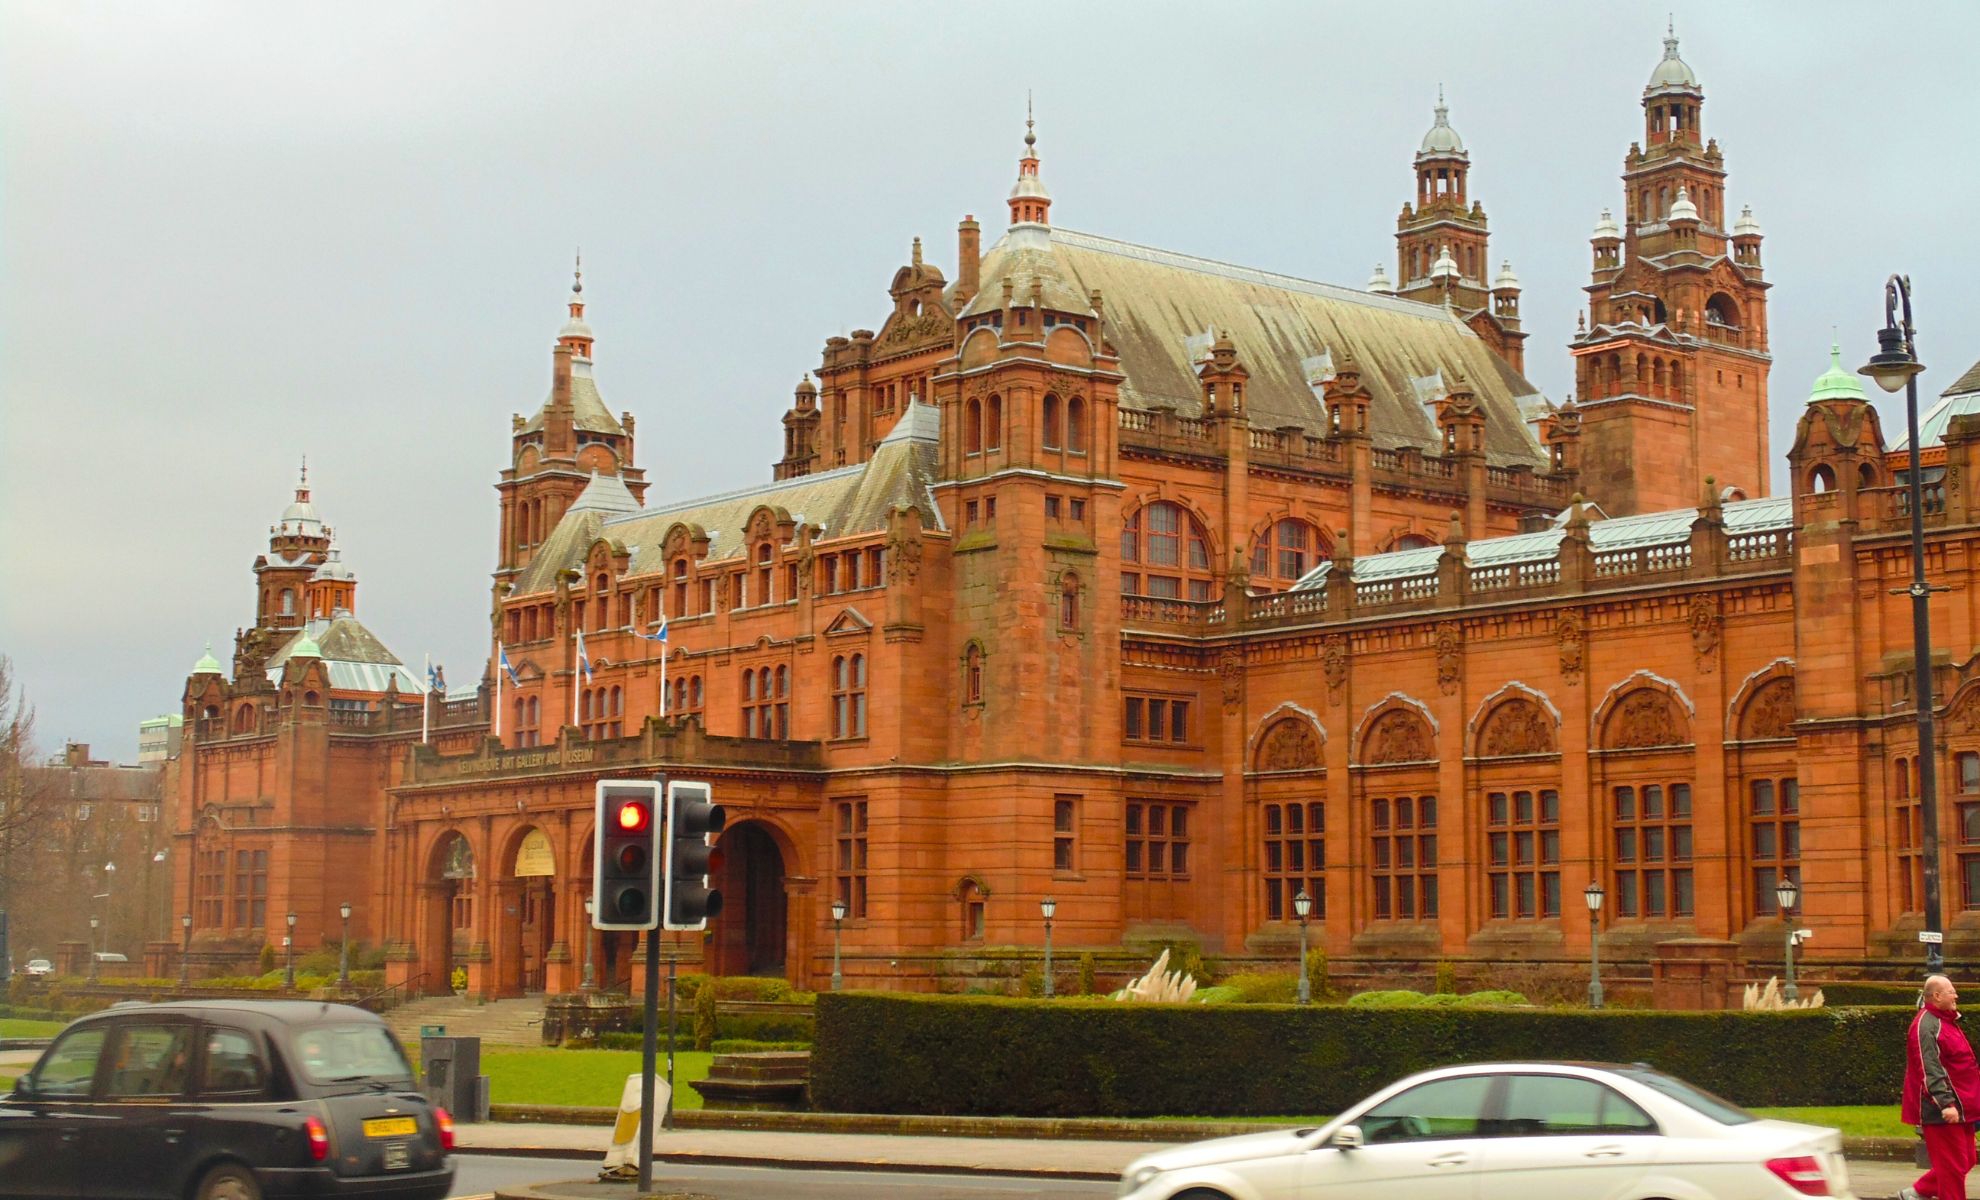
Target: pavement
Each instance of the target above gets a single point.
(1061, 1159)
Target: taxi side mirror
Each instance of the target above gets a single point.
(1347, 1137)
(24, 1086)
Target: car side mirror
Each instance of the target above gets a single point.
(1347, 1137)
(24, 1087)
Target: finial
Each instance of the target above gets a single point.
(577, 273)
(305, 470)
(1671, 38)
(1030, 138)
(917, 252)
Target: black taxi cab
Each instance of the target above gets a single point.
(223, 1100)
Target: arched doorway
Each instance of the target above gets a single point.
(529, 925)
(750, 936)
(450, 915)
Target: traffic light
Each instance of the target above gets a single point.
(693, 820)
(625, 872)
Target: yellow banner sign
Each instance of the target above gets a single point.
(533, 857)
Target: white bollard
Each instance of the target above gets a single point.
(622, 1157)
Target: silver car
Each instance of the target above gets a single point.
(1513, 1131)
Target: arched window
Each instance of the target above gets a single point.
(1076, 425)
(973, 427)
(763, 593)
(1866, 475)
(618, 701)
(973, 674)
(680, 587)
(993, 424)
(1165, 553)
(288, 602)
(1051, 422)
(1822, 478)
(1286, 552)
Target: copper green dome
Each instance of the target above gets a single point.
(1837, 383)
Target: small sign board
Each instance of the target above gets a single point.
(1931, 937)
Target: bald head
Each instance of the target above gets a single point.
(1940, 993)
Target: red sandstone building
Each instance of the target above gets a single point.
(1164, 588)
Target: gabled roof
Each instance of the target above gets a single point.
(354, 657)
(845, 501)
(1288, 333)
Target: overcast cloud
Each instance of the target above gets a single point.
(234, 234)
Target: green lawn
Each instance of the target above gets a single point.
(594, 1077)
(1855, 1120)
(14, 1027)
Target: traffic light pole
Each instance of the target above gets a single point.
(646, 1059)
(667, 1118)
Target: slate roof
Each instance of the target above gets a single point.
(587, 406)
(354, 657)
(849, 500)
(1288, 333)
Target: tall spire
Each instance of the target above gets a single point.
(576, 334)
(1031, 203)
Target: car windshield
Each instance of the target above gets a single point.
(1725, 1112)
(349, 1051)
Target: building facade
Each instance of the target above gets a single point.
(1166, 589)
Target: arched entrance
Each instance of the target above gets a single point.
(449, 919)
(529, 917)
(750, 936)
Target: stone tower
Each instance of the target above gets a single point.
(1671, 362)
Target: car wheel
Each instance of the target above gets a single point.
(228, 1181)
(1202, 1194)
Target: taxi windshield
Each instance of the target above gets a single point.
(348, 1052)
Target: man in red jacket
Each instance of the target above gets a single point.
(1941, 1092)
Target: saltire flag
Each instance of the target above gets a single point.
(506, 668)
(583, 659)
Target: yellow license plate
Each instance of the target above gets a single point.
(390, 1127)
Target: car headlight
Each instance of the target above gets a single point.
(1137, 1178)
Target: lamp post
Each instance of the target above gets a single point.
(344, 954)
(109, 878)
(93, 923)
(1303, 908)
(1894, 366)
(838, 919)
(590, 981)
(1048, 906)
(1593, 895)
(1786, 893)
(289, 955)
(185, 948)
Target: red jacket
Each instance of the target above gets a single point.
(1939, 1070)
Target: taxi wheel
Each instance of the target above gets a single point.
(228, 1181)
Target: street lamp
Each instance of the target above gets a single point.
(109, 877)
(185, 947)
(838, 919)
(289, 955)
(1786, 893)
(1593, 895)
(1303, 908)
(1048, 906)
(590, 981)
(93, 923)
(1894, 366)
(344, 955)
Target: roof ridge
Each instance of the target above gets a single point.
(778, 485)
(1100, 242)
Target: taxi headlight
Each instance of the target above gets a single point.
(1138, 1178)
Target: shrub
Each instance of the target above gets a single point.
(1184, 955)
(1395, 998)
(1086, 974)
(267, 958)
(746, 1046)
(765, 1027)
(1836, 995)
(751, 987)
(948, 1055)
(1446, 978)
(704, 1018)
(1265, 987)
(1316, 973)
(1218, 994)
(1494, 999)
(1031, 982)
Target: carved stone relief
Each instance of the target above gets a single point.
(1705, 623)
(1450, 656)
(1572, 639)
(1398, 736)
(1289, 745)
(1517, 727)
(1645, 717)
(1771, 711)
(1231, 669)
(1334, 661)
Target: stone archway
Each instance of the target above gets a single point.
(526, 923)
(751, 936)
(446, 886)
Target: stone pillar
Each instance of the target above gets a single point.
(1693, 973)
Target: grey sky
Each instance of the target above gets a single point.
(232, 234)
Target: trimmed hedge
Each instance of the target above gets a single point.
(988, 1056)
(1838, 995)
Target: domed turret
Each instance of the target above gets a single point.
(1746, 226)
(1379, 281)
(1682, 209)
(207, 664)
(576, 333)
(299, 519)
(334, 568)
(1606, 227)
(1672, 74)
(1837, 383)
(1030, 201)
(1506, 280)
(1442, 141)
(1445, 267)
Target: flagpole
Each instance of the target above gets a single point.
(500, 654)
(577, 672)
(426, 701)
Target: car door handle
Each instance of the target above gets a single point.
(1605, 1152)
(173, 1136)
(1449, 1160)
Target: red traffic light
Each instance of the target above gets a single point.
(634, 816)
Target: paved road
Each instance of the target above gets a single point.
(768, 1183)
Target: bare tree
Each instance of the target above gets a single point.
(29, 809)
